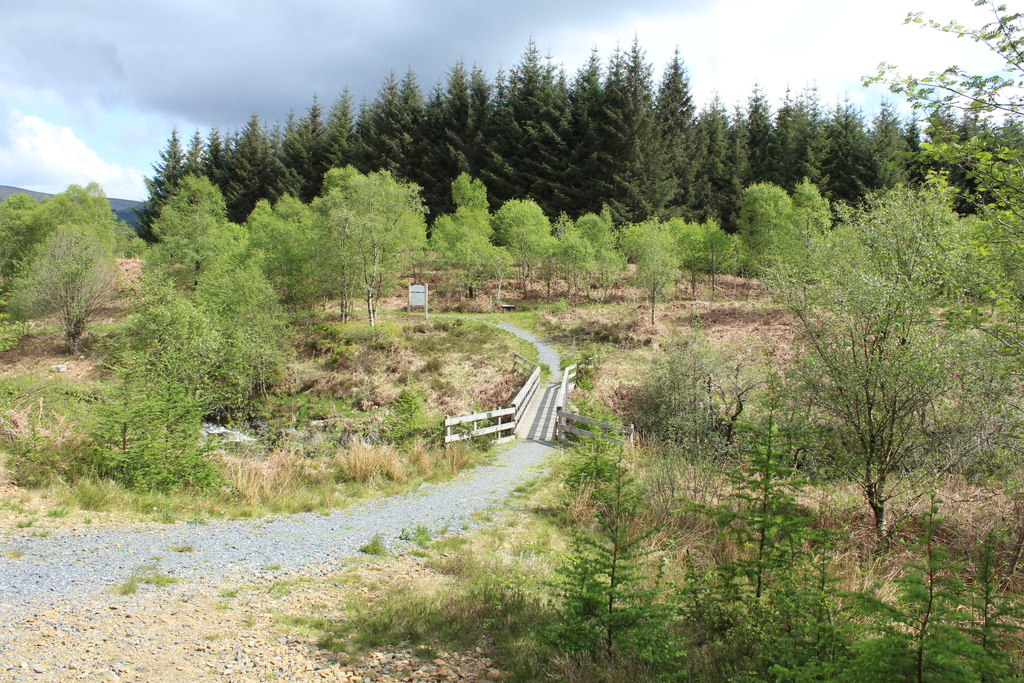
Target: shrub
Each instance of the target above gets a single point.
(148, 437)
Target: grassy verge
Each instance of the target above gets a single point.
(285, 481)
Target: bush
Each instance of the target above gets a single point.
(148, 437)
(409, 419)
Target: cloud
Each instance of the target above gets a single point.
(37, 155)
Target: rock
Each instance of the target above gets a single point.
(493, 674)
(59, 368)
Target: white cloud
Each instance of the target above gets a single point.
(38, 155)
(730, 45)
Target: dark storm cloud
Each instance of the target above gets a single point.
(215, 63)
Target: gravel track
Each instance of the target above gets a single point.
(85, 563)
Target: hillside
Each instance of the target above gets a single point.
(124, 209)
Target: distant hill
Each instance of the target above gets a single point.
(124, 209)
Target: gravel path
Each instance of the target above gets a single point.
(85, 563)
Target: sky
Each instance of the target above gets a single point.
(90, 91)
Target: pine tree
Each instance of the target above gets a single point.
(889, 147)
(760, 139)
(527, 154)
(450, 132)
(194, 156)
(215, 158)
(339, 132)
(609, 610)
(797, 142)
(676, 125)
(632, 155)
(386, 133)
(718, 174)
(587, 178)
(161, 187)
(254, 172)
(849, 167)
(305, 151)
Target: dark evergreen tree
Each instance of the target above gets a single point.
(586, 176)
(337, 151)
(889, 147)
(797, 143)
(633, 156)
(450, 131)
(676, 125)
(215, 158)
(168, 173)
(759, 137)
(385, 137)
(526, 155)
(254, 171)
(718, 170)
(194, 156)
(849, 167)
(305, 151)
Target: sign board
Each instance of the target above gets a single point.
(418, 296)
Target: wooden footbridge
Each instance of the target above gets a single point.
(540, 410)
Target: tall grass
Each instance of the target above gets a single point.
(287, 480)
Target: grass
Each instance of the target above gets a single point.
(420, 535)
(144, 574)
(228, 592)
(39, 533)
(375, 547)
(59, 511)
(182, 549)
(25, 523)
(13, 554)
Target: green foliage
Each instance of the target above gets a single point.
(10, 330)
(70, 276)
(193, 233)
(677, 404)
(376, 547)
(521, 227)
(609, 608)
(19, 231)
(245, 309)
(894, 388)
(769, 610)
(409, 419)
(147, 436)
(920, 638)
(765, 224)
(376, 223)
(469, 193)
(652, 247)
(288, 244)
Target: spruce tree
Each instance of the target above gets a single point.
(587, 184)
(632, 155)
(339, 132)
(676, 125)
(254, 172)
(306, 153)
(760, 139)
(849, 166)
(527, 153)
(797, 142)
(889, 147)
(718, 174)
(168, 173)
(215, 158)
(386, 132)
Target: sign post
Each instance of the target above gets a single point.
(418, 296)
